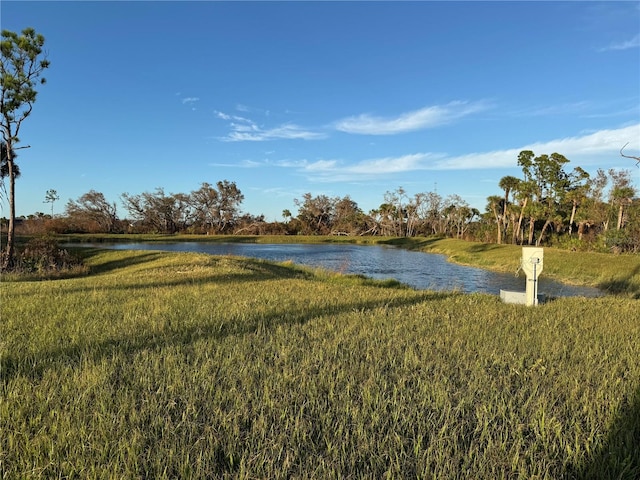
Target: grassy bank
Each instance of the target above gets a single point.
(614, 274)
(165, 365)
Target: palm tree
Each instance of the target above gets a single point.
(508, 184)
(493, 205)
(577, 193)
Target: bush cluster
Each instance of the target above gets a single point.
(43, 255)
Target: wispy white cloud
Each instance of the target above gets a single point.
(240, 164)
(322, 166)
(340, 171)
(256, 134)
(235, 118)
(573, 108)
(190, 100)
(280, 192)
(247, 163)
(580, 150)
(427, 117)
(590, 148)
(612, 107)
(600, 146)
(246, 130)
(247, 109)
(288, 163)
(625, 45)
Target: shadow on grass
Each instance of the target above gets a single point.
(411, 243)
(252, 270)
(109, 266)
(34, 366)
(619, 456)
(231, 239)
(624, 285)
(483, 247)
(247, 270)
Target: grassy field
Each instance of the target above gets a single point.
(167, 365)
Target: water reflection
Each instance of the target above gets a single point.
(417, 269)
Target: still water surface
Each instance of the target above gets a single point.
(417, 269)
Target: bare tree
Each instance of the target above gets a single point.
(92, 211)
(316, 214)
(629, 156)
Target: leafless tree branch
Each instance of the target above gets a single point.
(637, 159)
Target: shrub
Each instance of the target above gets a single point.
(43, 255)
(620, 241)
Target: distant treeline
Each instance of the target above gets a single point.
(547, 206)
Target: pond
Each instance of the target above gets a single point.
(417, 269)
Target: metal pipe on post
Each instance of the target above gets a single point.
(535, 262)
(532, 265)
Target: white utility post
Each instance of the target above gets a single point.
(532, 265)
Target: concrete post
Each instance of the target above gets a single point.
(532, 265)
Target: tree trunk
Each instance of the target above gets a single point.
(8, 261)
(581, 226)
(519, 233)
(498, 223)
(505, 220)
(573, 216)
(532, 224)
(620, 216)
(542, 232)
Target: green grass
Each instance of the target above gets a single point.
(165, 365)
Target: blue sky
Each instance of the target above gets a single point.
(333, 98)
